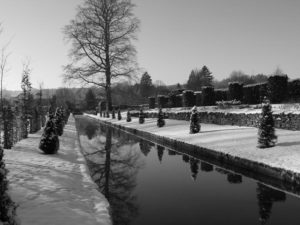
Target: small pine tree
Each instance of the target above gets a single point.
(194, 121)
(49, 143)
(141, 116)
(119, 114)
(266, 131)
(113, 114)
(59, 122)
(160, 118)
(128, 119)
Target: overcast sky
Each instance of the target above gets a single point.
(254, 36)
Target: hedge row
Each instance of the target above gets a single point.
(278, 89)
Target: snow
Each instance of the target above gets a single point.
(232, 140)
(54, 189)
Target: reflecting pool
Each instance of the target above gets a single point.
(149, 184)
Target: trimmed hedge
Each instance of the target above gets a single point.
(198, 97)
(162, 101)
(151, 102)
(221, 94)
(254, 93)
(188, 98)
(277, 88)
(294, 90)
(208, 96)
(235, 91)
(174, 99)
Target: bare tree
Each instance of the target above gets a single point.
(102, 51)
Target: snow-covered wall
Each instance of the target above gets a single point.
(289, 121)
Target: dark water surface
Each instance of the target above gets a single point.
(148, 184)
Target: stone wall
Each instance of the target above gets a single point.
(285, 121)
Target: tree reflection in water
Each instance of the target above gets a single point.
(194, 165)
(160, 152)
(115, 171)
(145, 147)
(266, 196)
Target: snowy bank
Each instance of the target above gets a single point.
(54, 189)
(234, 145)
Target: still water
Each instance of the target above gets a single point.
(148, 184)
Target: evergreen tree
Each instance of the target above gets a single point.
(141, 116)
(113, 114)
(59, 122)
(266, 131)
(119, 114)
(199, 78)
(107, 114)
(49, 143)
(194, 121)
(146, 86)
(26, 100)
(8, 127)
(205, 74)
(128, 119)
(160, 118)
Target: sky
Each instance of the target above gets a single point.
(176, 36)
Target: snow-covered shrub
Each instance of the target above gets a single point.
(141, 116)
(266, 131)
(194, 121)
(128, 119)
(119, 114)
(160, 118)
(59, 122)
(49, 142)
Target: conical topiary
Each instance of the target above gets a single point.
(160, 118)
(59, 122)
(119, 114)
(194, 121)
(49, 143)
(128, 119)
(141, 116)
(266, 131)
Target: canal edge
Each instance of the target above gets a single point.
(243, 163)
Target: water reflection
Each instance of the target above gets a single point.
(194, 165)
(116, 163)
(266, 196)
(160, 152)
(115, 171)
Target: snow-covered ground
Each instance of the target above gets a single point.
(232, 140)
(54, 189)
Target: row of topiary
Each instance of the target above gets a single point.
(266, 132)
(49, 142)
(278, 89)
